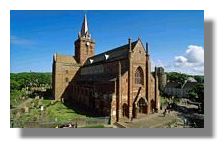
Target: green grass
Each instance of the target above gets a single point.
(60, 112)
(53, 112)
(16, 98)
(163, 101)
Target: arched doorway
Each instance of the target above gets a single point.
(142, 106)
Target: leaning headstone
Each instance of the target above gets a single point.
(42, 108)
(52, 102)
(17, 114)
(26, 109)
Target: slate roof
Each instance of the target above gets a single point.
(189, 85)
(191, 79)
(113, 55)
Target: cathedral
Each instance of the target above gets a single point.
(117, 83)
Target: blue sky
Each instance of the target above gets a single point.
(176, 38)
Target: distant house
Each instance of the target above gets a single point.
(173, 89)
(188, 85)
(180, 91)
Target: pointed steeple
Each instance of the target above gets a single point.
(84, 30)
(84, 45)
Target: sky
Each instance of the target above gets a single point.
(176, 38)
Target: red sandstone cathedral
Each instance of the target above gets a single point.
(117, 83)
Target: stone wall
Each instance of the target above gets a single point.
(95, 97)
(64, 71)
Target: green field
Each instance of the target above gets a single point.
(53, 112)
(29, 92)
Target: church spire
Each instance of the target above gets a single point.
(84, 30)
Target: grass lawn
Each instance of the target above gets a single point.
(163, 101)
(61, 113)
(53, 112)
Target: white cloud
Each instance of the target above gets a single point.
(192, 61)
(180, 59)
(195, 54)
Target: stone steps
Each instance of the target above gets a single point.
(119, 125)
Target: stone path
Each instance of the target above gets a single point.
(153, 121)
(174, 119)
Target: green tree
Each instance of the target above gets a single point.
(177, 77)
(21, 80)
(197, 94)
(199, 79)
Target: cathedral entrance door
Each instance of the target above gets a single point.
(142, 106)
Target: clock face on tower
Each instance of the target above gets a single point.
(87, 43)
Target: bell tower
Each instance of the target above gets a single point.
(84, 45)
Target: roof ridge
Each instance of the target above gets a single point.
(114, 49)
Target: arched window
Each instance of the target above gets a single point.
(139, 76)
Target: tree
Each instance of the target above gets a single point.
(14, 85)
(177, 77)
(22, 80)
(18, 81)
(199, 79)
(197, 94)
